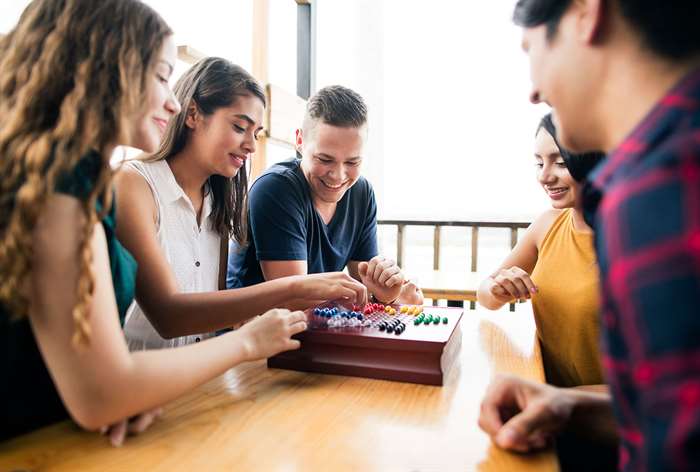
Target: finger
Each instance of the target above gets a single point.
(527, 280)
(394, 280)
(498, 291)
(296, 317)
(362, 269)
(292, 344)
(489, 415)
(359, 291)
(345, 293)
(516, 432)
(104, 429)
(141, 423)
(297, 328)
(520, 286)
(117, 433)
(508, 286)
(387, 273)
(374, 268)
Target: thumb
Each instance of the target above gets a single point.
(362, 268)
(516, 432)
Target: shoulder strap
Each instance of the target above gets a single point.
(223, 263)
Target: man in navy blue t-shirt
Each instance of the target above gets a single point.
(317, 213)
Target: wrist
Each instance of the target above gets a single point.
(243, 350)
(374, 299)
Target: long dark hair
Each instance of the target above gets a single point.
(579, 165)
(210, 84)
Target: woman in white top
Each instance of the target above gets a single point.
(176, 207)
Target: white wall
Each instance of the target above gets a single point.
(451, 129)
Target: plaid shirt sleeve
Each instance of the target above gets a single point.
(644, 204)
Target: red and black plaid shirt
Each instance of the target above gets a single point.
(644, 203)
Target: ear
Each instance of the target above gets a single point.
(192, 116)
(591, 19)
(298, 142)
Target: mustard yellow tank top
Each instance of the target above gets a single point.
(566, 305)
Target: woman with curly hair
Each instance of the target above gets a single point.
(78, 78)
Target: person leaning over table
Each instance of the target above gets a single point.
(554, 265)
(177, 208)
(624, 76)
(78, 78)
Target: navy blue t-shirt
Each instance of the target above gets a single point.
(283, 225)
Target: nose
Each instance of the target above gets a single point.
(338, 172)
(546, 176)
(172, 105)
(249, 145)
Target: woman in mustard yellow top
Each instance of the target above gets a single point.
(554, 264)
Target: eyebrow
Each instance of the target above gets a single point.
(354, 158)
(245, 117)
(551, 154)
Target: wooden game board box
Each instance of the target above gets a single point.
(422, 354)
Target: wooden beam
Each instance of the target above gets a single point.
(513, 237)
(475, 246)
(399, 244)
(284, 114)
(189, 54)
(261, 25)
(436, 248)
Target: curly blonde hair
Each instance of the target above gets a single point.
(72, 73)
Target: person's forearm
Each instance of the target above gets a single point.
(592, 415)
(183, 314)
(163, 375)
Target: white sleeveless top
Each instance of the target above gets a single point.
(192, 251)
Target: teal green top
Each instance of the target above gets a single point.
(28, 397)
(122, 263)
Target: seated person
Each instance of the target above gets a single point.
(554, 264)
(317, 213)
(624, 76)
(178, 207)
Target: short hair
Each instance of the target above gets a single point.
(579, 165)
(667, 28)
(336, 106)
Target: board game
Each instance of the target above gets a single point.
(401, 343)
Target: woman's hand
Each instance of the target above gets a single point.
(511, 284)
(319, 288)
(271, 333)
(117, 432)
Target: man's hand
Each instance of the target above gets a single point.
(410, 294)
(382, 277)
(520, 415)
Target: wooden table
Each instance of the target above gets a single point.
(254, 418)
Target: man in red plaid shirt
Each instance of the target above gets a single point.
(624, 76)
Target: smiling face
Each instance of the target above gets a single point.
(225, 139)
(552, 173)
(331, 160)
(148, 129)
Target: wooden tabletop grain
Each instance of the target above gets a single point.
(255, 418)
